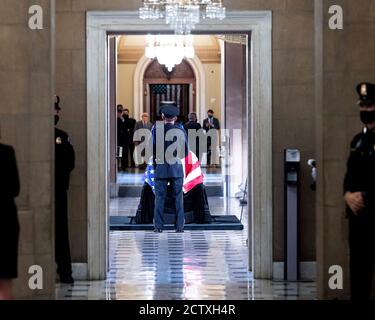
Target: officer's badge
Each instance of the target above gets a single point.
(364, 89)
(58, 140)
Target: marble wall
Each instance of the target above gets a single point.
(26, 109)
(344, 58)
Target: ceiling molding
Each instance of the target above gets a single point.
(133, 55)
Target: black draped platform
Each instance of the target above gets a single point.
(197, 213)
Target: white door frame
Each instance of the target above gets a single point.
(259, 24)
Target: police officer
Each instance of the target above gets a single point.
(64, 164)
(167, 164)
(359, 188)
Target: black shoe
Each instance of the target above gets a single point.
(157, 230)
(179, 230)
(67, 280)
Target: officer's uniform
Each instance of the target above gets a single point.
(360, 177)
(169, 173)
(64, 164)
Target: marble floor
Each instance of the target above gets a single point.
(195, 265)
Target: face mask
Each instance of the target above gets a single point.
(210, 116)
(57, 118)
(367, 117)
(126, 116)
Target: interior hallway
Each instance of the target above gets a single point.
(195, 265)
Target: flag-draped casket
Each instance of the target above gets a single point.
(195, 198)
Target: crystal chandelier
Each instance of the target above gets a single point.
(170, 50)
(182, 15)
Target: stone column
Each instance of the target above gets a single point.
(26, 116)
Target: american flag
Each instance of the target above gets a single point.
(192, 173)
(159, 88)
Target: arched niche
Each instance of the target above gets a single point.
(200, 86)
(178, 85)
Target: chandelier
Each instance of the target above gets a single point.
(182, 15)
(170, 50)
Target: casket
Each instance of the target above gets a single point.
(195, 206)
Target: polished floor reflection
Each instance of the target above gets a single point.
(193, 265)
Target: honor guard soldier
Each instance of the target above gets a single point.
(168, 167)
(64, 164)
(359, 188)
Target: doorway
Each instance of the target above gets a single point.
(259, 106)
(177, 85)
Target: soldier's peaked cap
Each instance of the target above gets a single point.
(366, 93)
(170, 110)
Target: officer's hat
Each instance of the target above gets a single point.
(169, 109)
(366, 92)
(57, 103)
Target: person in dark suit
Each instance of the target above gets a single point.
(120, 135)
(128, 127)
(359, 189)
(143, 124)
(9, 226)
(193, 124)
(64, 165)
(168, 167)
(208, 124)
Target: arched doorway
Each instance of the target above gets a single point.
(179, 85)
(140, 101)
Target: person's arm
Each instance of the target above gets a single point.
(205, 125)
(352, 194)
(14, 183)
(134, 125)
(350, 180)
(71, 158)
(217, 125)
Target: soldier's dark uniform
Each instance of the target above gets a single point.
(360, 177)
(64, 164)
(169, 173)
